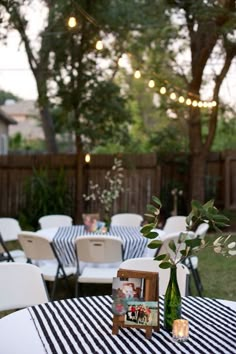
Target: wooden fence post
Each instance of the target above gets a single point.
(79, 180)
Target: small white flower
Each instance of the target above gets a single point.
(232, 253)
(231, 245)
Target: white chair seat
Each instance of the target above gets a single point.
(49, 270)
(98, 275)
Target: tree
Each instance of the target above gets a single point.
(6, 95)
(182, 52)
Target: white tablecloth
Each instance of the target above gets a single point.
(84, 326)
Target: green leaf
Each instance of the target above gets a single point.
(154, 244)
(184, 253)
(152, 235)
(160, 258)
(146, 229)
(165, 265)
(152, 209)
(157, 201)
(172, 245)
(196, 242)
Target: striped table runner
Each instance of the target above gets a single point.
(84, 326)
(133, 241)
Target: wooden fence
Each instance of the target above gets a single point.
(144, 175)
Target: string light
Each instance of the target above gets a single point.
(188, 102)
(137, 74)
(87, 158)
(173, 96)
(99, 45)
(121, 61)
(162, 90)
(151, 83)
(72, 22)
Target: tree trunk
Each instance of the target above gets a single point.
(197, 176)
(48, 129)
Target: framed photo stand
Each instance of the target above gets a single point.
(151, 295)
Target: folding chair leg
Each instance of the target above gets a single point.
(196, 278)
(197, 281)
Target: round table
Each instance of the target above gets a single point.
(84, 325)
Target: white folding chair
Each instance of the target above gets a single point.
(48, 221)
(150, 265)
(40, 251)
(126, 219)
(175, 224)
(97, 250)
(9, 229)
(22, 285)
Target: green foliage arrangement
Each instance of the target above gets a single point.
(44, 194)
(199, 213)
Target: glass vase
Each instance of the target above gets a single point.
(172, 301)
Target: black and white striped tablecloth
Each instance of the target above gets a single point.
(84, 326)
(134, 242)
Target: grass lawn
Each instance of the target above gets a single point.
(218, 273)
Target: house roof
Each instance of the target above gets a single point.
(26, 108)
(6, 118)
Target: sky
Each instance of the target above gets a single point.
(15, 74)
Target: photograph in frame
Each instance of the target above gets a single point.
(142, 313)
(127, 288)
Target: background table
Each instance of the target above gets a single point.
(84, 325)
(134, 243)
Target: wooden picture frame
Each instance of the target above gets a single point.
(151, 293)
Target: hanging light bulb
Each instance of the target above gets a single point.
(151, 83)
(194, 103)
(87, 158)
(213, 103)
(121, 61)
(72, 22)
(181, 99)
(99, 45)
(173, 96)
(162, 90)
(188, 102)
(200, 104)
(205, 104)
(137, 74)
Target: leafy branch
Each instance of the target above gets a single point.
(187, 243)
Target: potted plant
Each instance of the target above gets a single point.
(185, 246)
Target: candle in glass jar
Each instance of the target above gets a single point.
(180, 330)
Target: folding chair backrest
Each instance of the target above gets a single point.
(202, 230)
(149, 265)
(35, 247)
(48, 221)
(22, 285)
(9, 229)
(99, 249)
(175, 224)
(126, 219)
